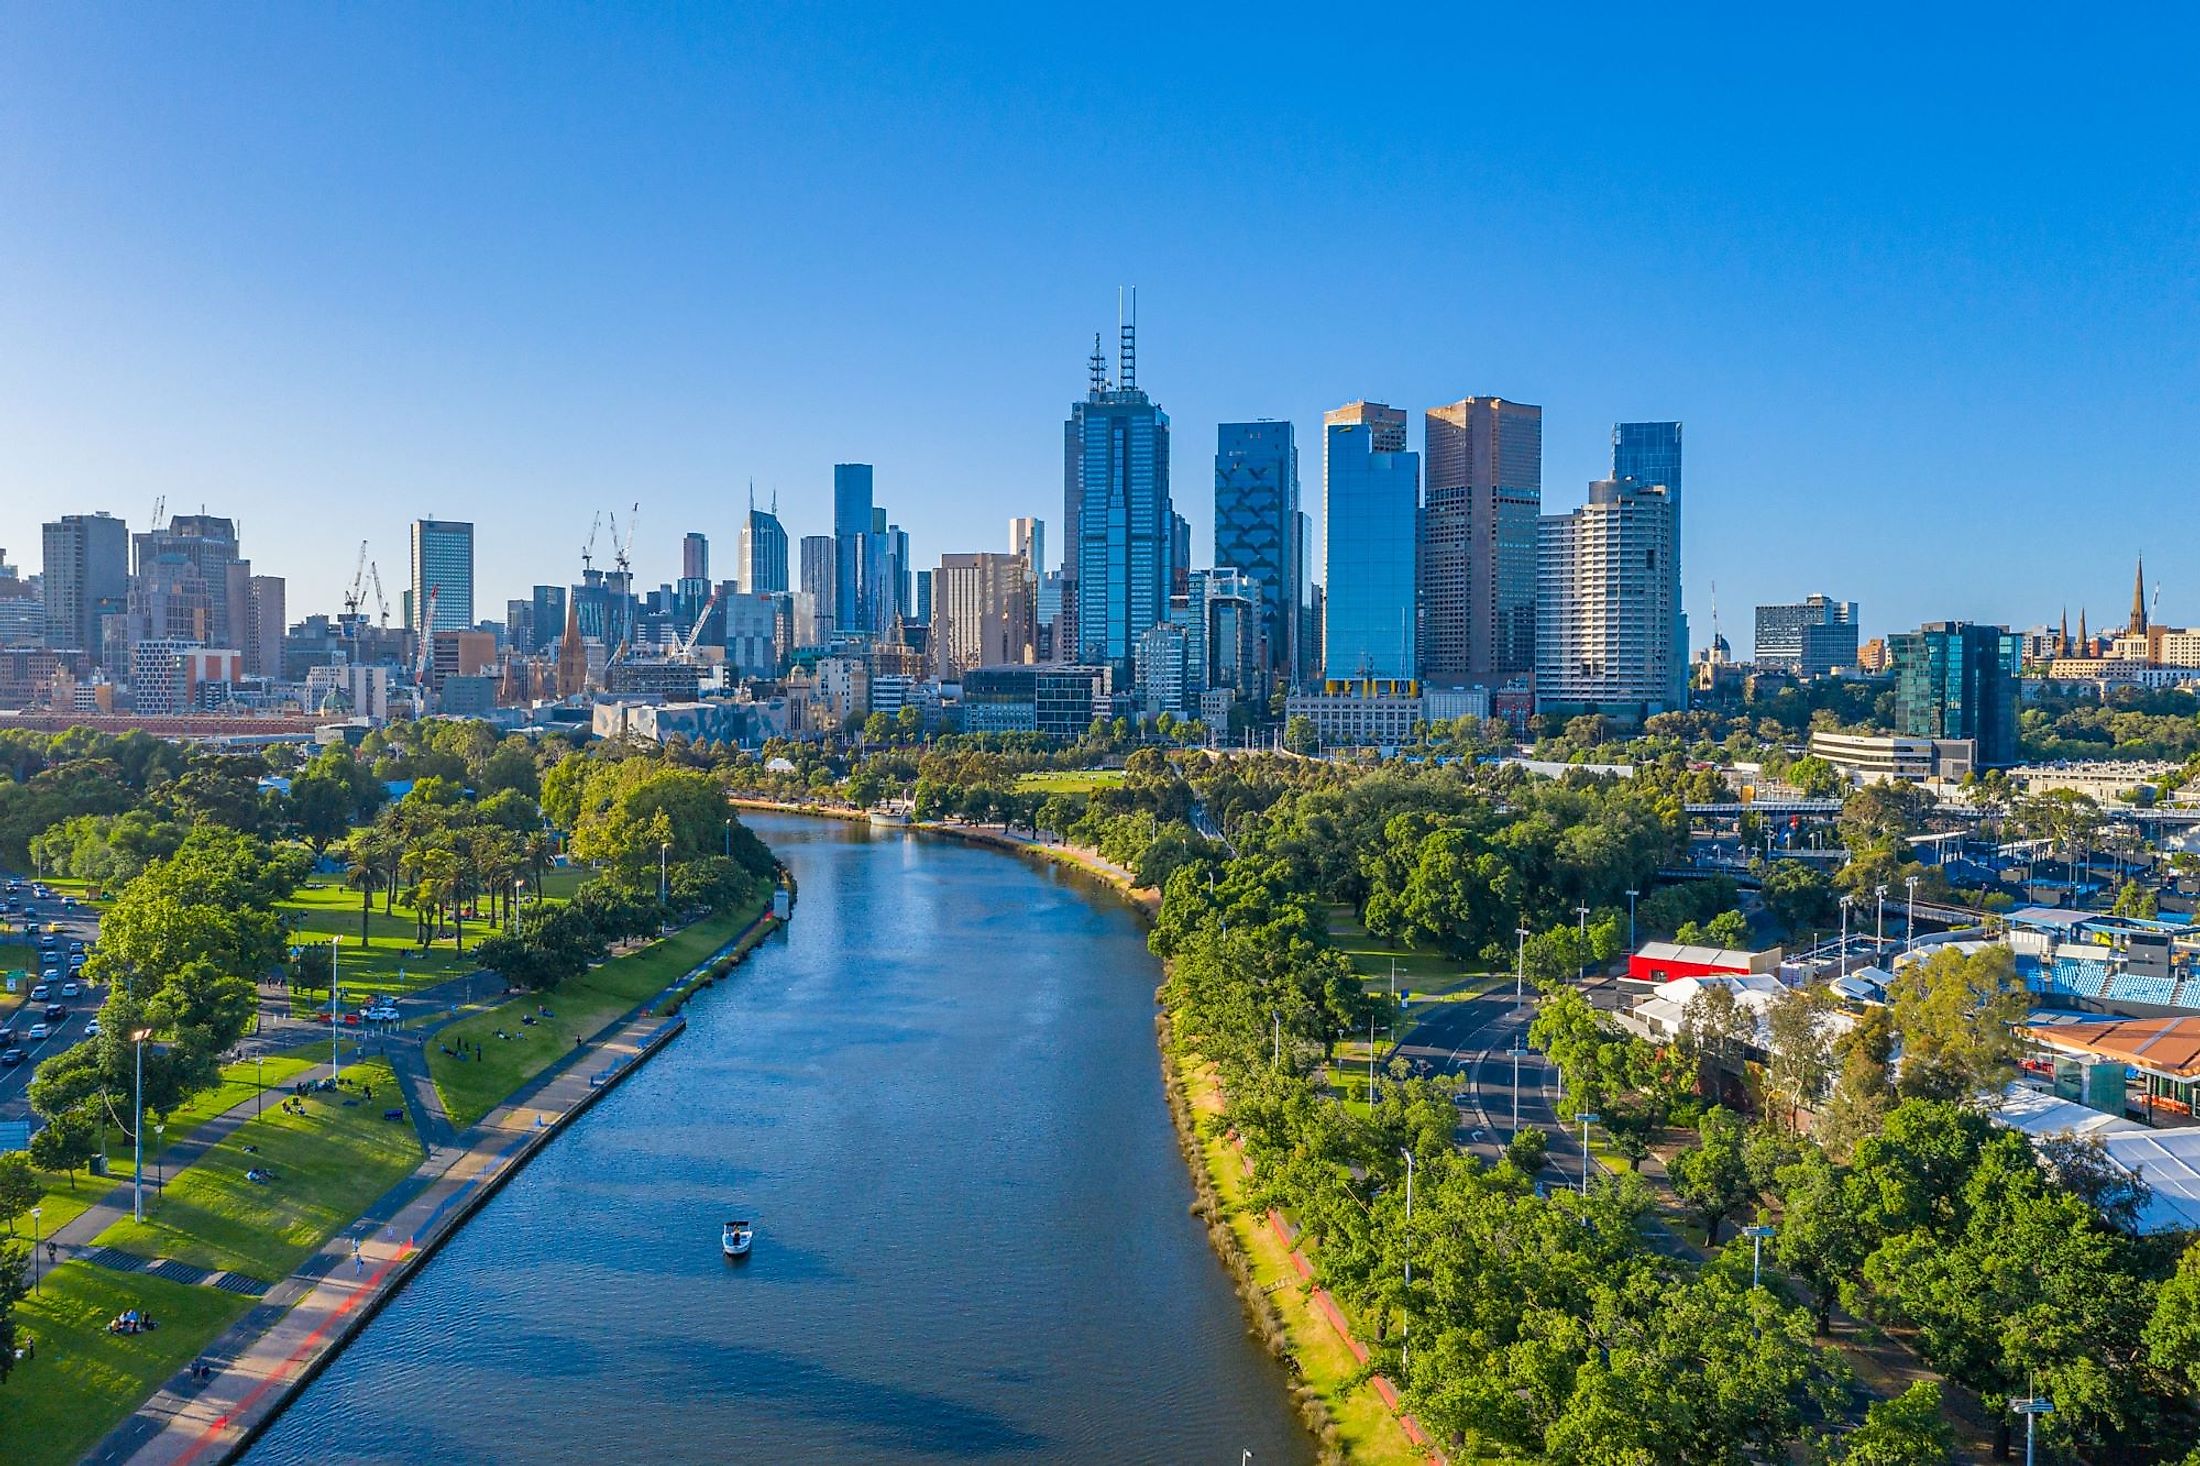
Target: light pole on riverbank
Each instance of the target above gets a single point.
(1583, 949)
(1909, 925)
(1405, 1325)
(1586, 1122)
(137, 1130)
(1520, 965)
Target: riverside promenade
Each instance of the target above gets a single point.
(307, 1318)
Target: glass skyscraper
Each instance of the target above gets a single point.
(1955, 679)
(1371, 502)
(1650, 453)
(1478, 540)
(1257, 523)
(761, 551)
(852, 506)
(443, 561)
(1120, 544)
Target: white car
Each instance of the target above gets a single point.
(72, 989)
(381, 1013)
(38, 1031)
(91, 1029)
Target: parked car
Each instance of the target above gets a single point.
(38, 1031)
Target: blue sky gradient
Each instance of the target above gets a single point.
(1921, 285)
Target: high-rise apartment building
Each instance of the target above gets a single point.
(264, 623)
(1604, 639)
(84, 578)
(763, 551)
(442, 562)
(819, 580)
(1650, 453)
(1809, 639)
(1371, 499)
(695, 554)
(1118, 560)
(852, 512)
(1027, 537)
(1258, 529)
(1478, 541)
(1956, 679)
(981, 612)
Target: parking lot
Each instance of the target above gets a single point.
(58, 933)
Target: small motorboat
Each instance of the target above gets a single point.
(738, 1236)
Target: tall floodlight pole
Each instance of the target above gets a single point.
(137, 1131)
(2031, 1409)
(1756, 1236)
(1406, 1324)
(1520, 965)
(1909, 933)
(1586, 1122)
(1631, 895)
(1879, 922)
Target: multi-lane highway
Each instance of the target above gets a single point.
(27, 922)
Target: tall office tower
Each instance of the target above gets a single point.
(442, 561)
(819, 582)
(1219, 614)
(1257, 530)
(85, 578)
(1371, 501)
(1478, 540)
(1955, 679)
(1117, 564)
(901, 580)
(546, 617)
(1028, 537)
(1180, 552)
(1650, 453)
(924, 598)
(982, 611)
(519, 626)
(1604, 604)
(852, 508)
(762, 551)
(695, 551)
(182, 585)
(1809, 639)
(1307, 656)
(1047, 614)
(264, 622)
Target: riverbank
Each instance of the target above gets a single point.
(261, 1363)
(1350, 1421)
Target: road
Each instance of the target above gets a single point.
(17, 1011)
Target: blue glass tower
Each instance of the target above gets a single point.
(852, 506)
(1257, 527)
(1119, 553)
(1650, 453)
(1371, 503)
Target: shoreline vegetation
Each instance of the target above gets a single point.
(1330, 1389)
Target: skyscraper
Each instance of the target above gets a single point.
(695, 552)
(1956, 679)
(981, 612)
(819, 581)
(442, 561)
(1371, 497)
(1604, 639)
(1650, 453)
(1478, 540)
(762, 551)
(1117, 560)
(264, 623)
(1257, 529)
(1809, 638)
(182, 582)
(85, 578)
(1028, 537)
(852, 506)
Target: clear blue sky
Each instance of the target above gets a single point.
(1922, 286)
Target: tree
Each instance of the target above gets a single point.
(67, 1140)
(1797, 895)
(1957, 1013)
(1904, 1431)
(320, 810)
(13, 1267)
(19, 1190)
(1713, 1175)
(1527, 1150)
(1863, 1088)
(1729, 929)
(1820, 1239)
(1802, 1053)
(1299, 735)
(2173, 1333)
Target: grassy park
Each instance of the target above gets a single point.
(392, 960)
(83, 1379)
(1425, 974)
(330, 1164)
(1069, 781)
(578, 1008)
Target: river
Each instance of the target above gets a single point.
(938, 1096)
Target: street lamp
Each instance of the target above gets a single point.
(1909, 929)
(729, 837)
(137, 1130)
(2031, 1409)
(664, 852)
(1879, 922)
(1756, 1236)
(36, 1213)
(335, 1015)
(1586, 1121)
(1631, 895)
(1582, 947)
(259, 1075)
(1844, 959)
(1405, 1325)
(1520, 965)
(160, 1162)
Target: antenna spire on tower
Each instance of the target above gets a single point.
(1126, 369)
(1097, 366)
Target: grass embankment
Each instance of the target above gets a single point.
(83, 1380)
(471, 1087)
(1070, 781)
(329, 1165)
(1348, 1418)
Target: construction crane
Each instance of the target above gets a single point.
(622, 560)
(684, 649)
(588, 551)
(160, 511)
(381, 601)
(427, 638)
(355, 595)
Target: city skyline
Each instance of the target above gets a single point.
(450, 322)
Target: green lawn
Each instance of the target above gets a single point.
(391, 961)
(84, 1380)
(329, 1164)
(1070, 781)
(473, 1087)
(1422, 973)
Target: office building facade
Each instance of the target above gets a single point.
(1371, 494)
(1118, 566)
(1604, 605)
(762, 552)
(820, 581)
(1650, 453)
(1810, 638)
(85, 578)
(1259, 530)
(443, 562)
(695, 555)
(981, 612)
(1477, 541)
(1958, 680)
(852, 506)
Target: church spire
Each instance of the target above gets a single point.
(2139, 599)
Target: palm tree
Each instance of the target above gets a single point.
(536, 849)
(360, 875)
